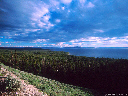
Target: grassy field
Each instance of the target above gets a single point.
(51, 87)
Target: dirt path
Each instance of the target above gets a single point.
(25, 88)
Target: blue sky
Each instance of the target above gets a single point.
(64, 23)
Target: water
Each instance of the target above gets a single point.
(96, 52)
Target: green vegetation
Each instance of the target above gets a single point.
(12, 84)
(51, 87)
(102, 74)
(9, 84)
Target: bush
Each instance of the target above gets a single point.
(12, 84)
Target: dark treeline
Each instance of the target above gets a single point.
(102, 74)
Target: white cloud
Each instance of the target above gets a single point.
(40, 40)
(126, 37)
(41, 16)
(100, 42)
(90, 5)
(77, 44)
(74, 40)
(1, 37)
(52, 44)
(60, 43)
(93, 39)
(46, 25)
(90, 39)
(9, 37)
(82, 1)
(39, 12)
(113, 38)
(57, 20)
(69, 11)
(32, 30)
(113, 41)
(17, 34)
(98, 30)
(41, 24)
(54, 2)
(49, 25)
(105, 39)
(63, 8)
(66, 1)
(46, 18)
(44, 44)
(63, 44)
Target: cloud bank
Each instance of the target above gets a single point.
(60, 22)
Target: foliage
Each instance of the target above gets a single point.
(51, 87)
(9, 84)
(106, 74)
(12, 84)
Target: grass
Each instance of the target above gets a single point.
(50, 87)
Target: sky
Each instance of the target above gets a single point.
(63, 23)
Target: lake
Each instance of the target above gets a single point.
(95, 52)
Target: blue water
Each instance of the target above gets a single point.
(96, 52)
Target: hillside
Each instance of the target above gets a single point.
(23, 88)
(48, 86)
(104, 75)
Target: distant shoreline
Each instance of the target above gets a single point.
(64, 47)
(99, 52)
